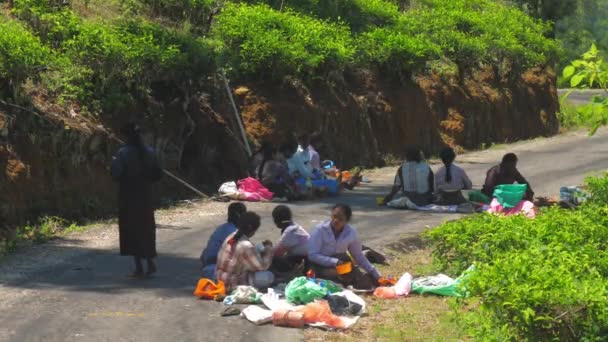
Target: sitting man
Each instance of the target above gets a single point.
(505, 173)
(414, 179)
(209, 254)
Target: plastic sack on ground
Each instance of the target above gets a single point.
(340, 305)
(273, 301)
(525, 208)
(288, 318)
(354, 299)
(253, 190)
(302, 291)
(441, 284)
(243, 295)
(228, 188)
(479, 197)
(207, 289)
(402, 203)
(257, 315)
(404, 285)
(385, 292)
(509, 195)
(320, 312)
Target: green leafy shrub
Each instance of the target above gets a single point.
(197, 13)
(541, 279)
(123, 61)
(464, 32)
(257, 40)
(535, 279)
(22, 57)
(598, 189)
(52, 21)
(588, 72)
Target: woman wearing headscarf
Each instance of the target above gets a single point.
(135, 167)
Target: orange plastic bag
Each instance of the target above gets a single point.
(387, 281)
(320, 312)
(385, 292)
(286, 318)
(207, 289)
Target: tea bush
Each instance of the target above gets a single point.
(257, 40)
(464, 31)
(539, 279)
(22, 57)
(113, 65)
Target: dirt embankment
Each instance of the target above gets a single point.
(60, 164)
(367, 117)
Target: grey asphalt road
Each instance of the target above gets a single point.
(580, 97)
(70, 291)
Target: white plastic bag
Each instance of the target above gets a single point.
(257, 315)
(402, 203)
(228, 188)
(404, 285)
(273, 302)
(243, 295)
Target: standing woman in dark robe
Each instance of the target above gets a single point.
(135, 167)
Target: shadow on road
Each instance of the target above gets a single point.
(106, 272)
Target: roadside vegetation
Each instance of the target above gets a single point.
(107, 58)
(45, 229)
(588, 72)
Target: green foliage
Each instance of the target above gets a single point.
(45, 229)
(464, 32)
(22, 56)
(357, 14)
(586, 25)
(111, 66)
(598, 189)
(590, 72)
(257, 40)
(539, 279)
(195, 13)
(548, 10)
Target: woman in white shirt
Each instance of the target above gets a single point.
(450, 180)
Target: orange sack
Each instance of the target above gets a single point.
(320, 312)
(385, 292)
(207, 289)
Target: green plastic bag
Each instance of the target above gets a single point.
(302, 291)
(508, 195)
(479, 197)
(442, 285)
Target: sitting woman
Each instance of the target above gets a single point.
(257, 157)
(450, 180)
(292, 249)
(328, 246)
(273, 173)
(239, 262)
(505, 173)
(209, 254)
(414, 180)
(343, 180)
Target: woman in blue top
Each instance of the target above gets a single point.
(209, 254)
(328, 246)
